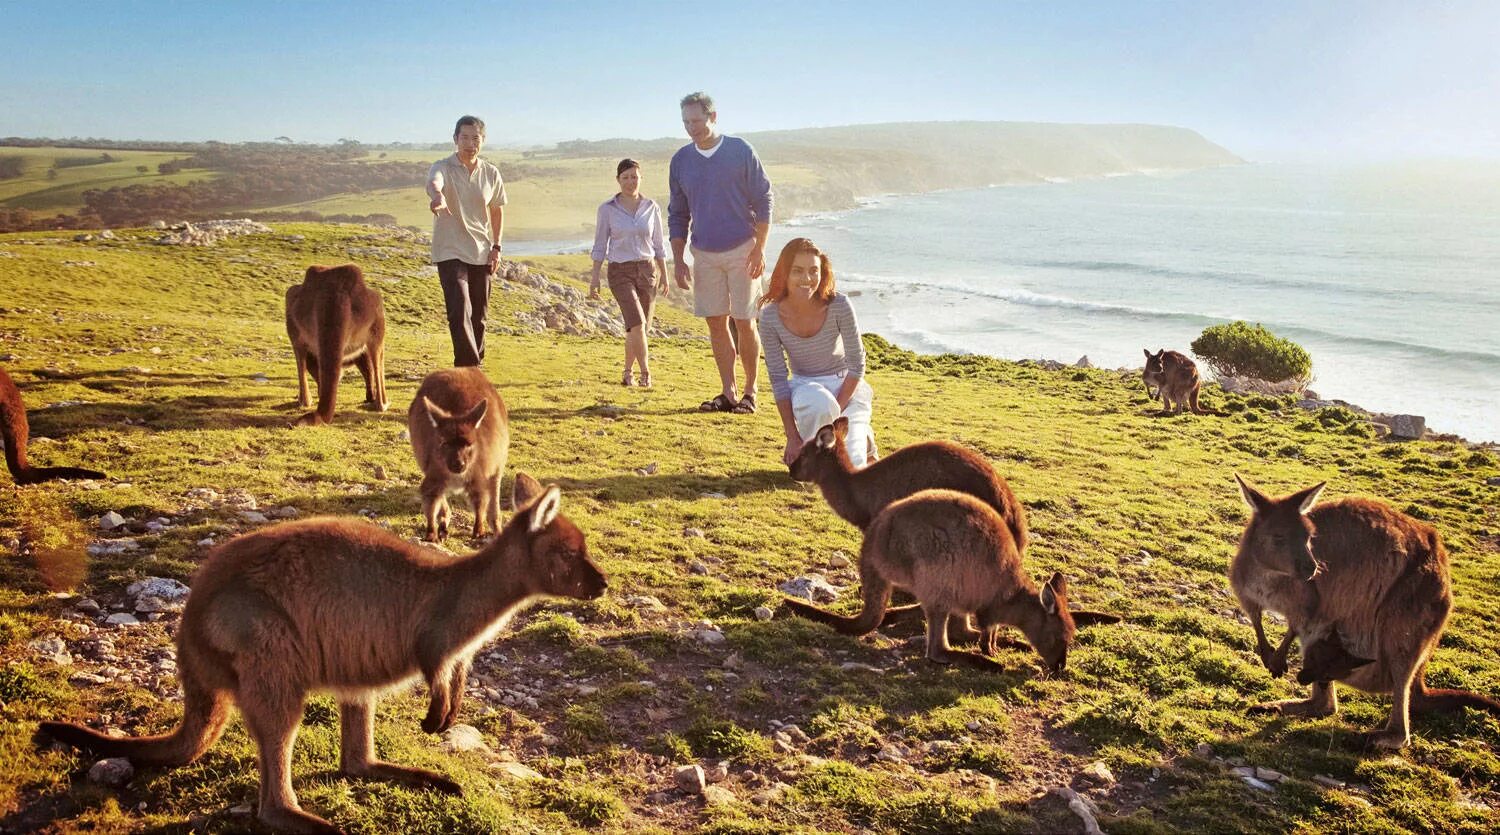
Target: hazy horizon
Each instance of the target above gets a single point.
(1349, 80)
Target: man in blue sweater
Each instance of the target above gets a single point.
(721, 194)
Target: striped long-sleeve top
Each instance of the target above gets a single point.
(834, 349)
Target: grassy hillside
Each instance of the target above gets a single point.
(64, 193)
(168, 367)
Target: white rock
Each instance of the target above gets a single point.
(463, 737)
(113, 772)
(708, 637)
(810, 587)
(718, 796)
(254, 517)
(163, 587)
(643, 601)
(1099, 772)
(690, 779)
(111, 547)
(840, 560)
(764, 613)
(152, 603)
(121, 619)
(713, 495)
(693, 533)
(515, 770)
(851, 666)
(1408, 426)
(284, 512)
(110, 521)
(53, 649)
(892, 754)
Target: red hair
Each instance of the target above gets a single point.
(783, 270)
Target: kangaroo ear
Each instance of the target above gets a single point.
(1254, 499)
(545, 510)
(435, 412)
(826, 439)
(1049, 599)
(1147, 352)
(1058, 582)
(1083, 617)
(476, 414)
(1308, 497)
(841, 428)
(524, 490)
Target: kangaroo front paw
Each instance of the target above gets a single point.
(1386, 740)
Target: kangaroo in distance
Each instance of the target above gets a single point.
(335, 320)
(957, 556)
(857, 496)
(1383, 586)
(15, 431)
(1176, 380)
(461, 436)
(346, 606)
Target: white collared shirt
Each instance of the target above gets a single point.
(621, 235)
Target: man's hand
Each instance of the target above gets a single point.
(439, 206)
(755, 262)
(684, 274)
(793, 449)
(493, 263)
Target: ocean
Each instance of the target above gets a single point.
(1389, 275)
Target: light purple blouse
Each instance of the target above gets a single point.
(620, 235)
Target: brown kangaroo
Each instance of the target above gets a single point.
(1176, 380)
(1380, 579)
(1328, 660)
(857, 496)
(343, 605)
(15, 432)
(335, 320)
(957, 556)
(461, 435)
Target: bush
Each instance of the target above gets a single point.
(1242, 350)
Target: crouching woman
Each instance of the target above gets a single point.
(813, 353)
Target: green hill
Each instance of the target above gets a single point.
(169, 368)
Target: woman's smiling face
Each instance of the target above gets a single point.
(804, 276)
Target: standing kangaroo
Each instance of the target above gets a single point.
(957, 556)
(15, 432)
(461, 435)
(1176, 380)
(1379, 584)
(335, 320)
(343, 605)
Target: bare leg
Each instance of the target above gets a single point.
(357, 753)
(723, 345)
(749, 344)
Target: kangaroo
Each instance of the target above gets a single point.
(857, 496)
(1383, 586)
(460, 433)
(15, 431)
(1176, 380)
(957, 556)
(1328, 660)
(335, 320)
(342, 605)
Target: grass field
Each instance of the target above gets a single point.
(169, 368)
(32, 190)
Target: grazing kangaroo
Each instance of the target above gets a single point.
(335, 320)
(957, 556)
(1176, 380)
(15, 431)
(346, 606)
(1379, 578)
(461, 435)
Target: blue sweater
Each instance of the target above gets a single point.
(722, 197)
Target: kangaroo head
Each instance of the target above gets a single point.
(557, 555)
(1279, 535)
(1155, 363)
(1328, 660)
(1052, 640)
(824, 454)
(456, 434)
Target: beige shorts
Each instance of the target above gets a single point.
(722, 285)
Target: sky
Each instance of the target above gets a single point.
(1273, 79)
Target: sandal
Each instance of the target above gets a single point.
(746, 406)
(720, 403)
(627, 380)
(645, 382)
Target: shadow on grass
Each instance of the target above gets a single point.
(685, 486)
(198, 411)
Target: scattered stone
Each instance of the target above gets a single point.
(515, 770)
(717, 772)
(1249, 774)
(284, 512)
(1099, 773)
(764, 613)
(690, 779)
(163, 587)
(52, 648)
(1493, 481)
(1083, 362)
(211, 232)
(151, 604)
(380, 472)
(693, 533)
(1204, 750)
(1409, 427)
(1328, 782)
(840, 560)
(892, 753)
(713, 495)
(110, 521)
(810, 587)
(850, 666)
(111, 547)
(253, 516)
(121, 619)
(241, 811)
(206, 541)
(113, 772)
(403, 435)
(463, 737)
(203, 494)
(83, 679)
(87, 606)
(769, 795)
(795, 734)
(708, 636)
(1082, 807)
(696, 567)
(718, 796)
(643, 601)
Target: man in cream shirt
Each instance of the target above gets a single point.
(468, 200)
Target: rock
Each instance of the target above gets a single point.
(892, 753)
(121, 619)
(1328, 782)
(515, 770)
(1083, 362)
(1410, 427)
(717, 772)
(379, 472)
(840, 560)
(163, 587)
(1099, 773)
(1204, 750)
(849, 666)
(463, 737)
(52, 648)
(110, 521)
(1493, 481)
(254, 517)
(643, 601)
(241, 811)
(708, 637)
(764, 613)
(718, 796)
(203, 494)
(87, 606)
(810, 587)
(795, 734)
(82, 679)
(735, 661)
(689, 779)
(152, 603)
(111, 547)
(284, 512)
(696, 567)
(693, 533)
(107, 235)
(1082, 807)
(113, 772)
(769, 795)
(713, 495)
(403, 435)
(1269, 775)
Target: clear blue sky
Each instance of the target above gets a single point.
(1364, 79)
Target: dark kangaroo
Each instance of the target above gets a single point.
(1328, 660)
(15, 432)
(335, 320)
(343, 605)
(460, 433)
(957, 556)
(1378, 577)
(1175, 377)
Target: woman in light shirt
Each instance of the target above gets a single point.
(628, 235)
(813, 354)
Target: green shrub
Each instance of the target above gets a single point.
(1243, 350)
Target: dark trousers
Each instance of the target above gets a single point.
(466, 295)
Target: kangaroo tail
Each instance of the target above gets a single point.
(204, 714)
(37, 475)
(1424, 700)
(1199, 410)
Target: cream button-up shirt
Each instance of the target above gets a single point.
(466, 235)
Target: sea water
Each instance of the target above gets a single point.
(1389, 275)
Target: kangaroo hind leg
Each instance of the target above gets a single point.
(357, 752)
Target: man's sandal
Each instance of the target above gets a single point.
(720, 403)
(746, 406)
